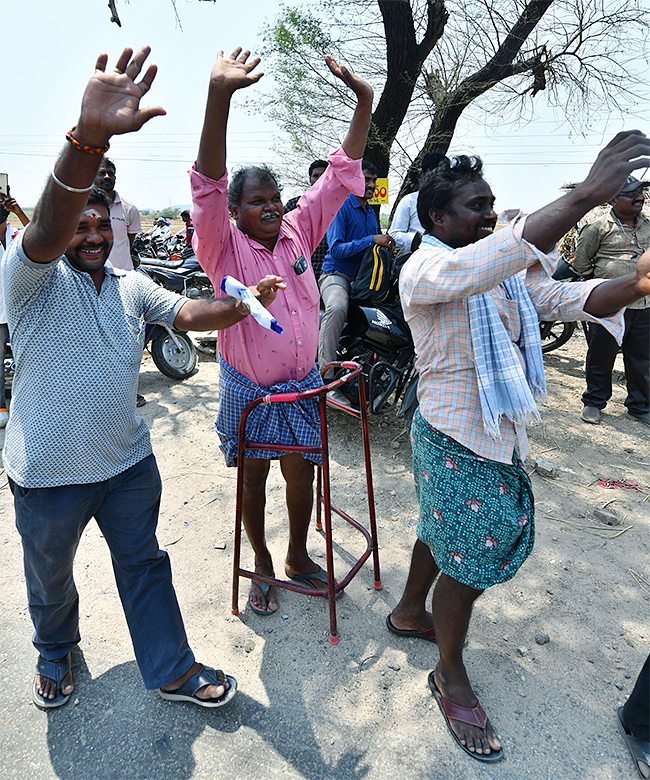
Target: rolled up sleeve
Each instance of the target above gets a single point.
(211, 219)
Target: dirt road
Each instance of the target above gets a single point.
(361, 709)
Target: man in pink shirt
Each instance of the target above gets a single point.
(255, 361)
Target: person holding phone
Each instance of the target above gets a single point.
(7, 233)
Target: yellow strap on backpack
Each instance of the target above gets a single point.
(377, 270)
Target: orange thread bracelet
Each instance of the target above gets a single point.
(84, 147)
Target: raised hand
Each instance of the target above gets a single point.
(360, 87)
(235, 71)
(111, 102)
(267, 288)
(625, 153)
(8, 202)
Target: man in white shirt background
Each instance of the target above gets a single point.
(125, 222)
(406, 223)
(125, 217)
(7, 206)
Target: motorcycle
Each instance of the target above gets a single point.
(173, 266)
(555, 333)
(172, 351)
(376, 336)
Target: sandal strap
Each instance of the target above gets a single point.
(53, 670)
(207, 676)
(473, 716)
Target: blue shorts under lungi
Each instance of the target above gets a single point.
(281, 423)
(476, 514)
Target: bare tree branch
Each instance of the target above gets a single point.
(114, 15)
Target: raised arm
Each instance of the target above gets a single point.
(228, 75)
(110, 106)
(10, 204)
(355, 140)
(625, 153)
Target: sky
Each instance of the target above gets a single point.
(50, 53)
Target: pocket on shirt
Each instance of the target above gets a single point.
(132, 347)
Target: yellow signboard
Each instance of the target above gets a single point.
(381, 192)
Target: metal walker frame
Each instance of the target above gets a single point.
(324, 506)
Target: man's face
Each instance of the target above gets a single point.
(105, 178)
(371, 184)
(315, 176)
(469, 218)
(92, 242)
(259, 213)
(629, 205)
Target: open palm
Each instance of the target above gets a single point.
(235, 71)
(111, 102)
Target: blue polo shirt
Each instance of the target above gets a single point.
(78, 355)
(350, 234)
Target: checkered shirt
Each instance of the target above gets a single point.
(434, 286)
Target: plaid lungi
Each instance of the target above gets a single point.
(281, 423)
(476, 514)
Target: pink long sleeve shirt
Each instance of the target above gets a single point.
(263, 356)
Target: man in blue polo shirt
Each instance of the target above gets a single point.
(353, 230)
(74, 447)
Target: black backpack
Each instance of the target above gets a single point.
(377, 276)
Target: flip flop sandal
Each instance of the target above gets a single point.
(308, 579)
(639, 748)
(429, 634)
(207, 676)
(53, 670)
(265, 587)
(473, 716)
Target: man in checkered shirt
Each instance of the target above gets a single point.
(471, 298)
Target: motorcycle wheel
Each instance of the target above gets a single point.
(555, 334)
(169, 359)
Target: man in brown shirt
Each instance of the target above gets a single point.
(607, 249)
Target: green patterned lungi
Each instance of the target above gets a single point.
(476, 515)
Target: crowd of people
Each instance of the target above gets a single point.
(471, 296)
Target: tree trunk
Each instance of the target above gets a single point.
(404, 59)
(449, 110)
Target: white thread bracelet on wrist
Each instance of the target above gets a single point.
(66, 186)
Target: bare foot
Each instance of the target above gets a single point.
(205, 693)
(47, 688)
(476, 740)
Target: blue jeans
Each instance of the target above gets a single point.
(51, 521)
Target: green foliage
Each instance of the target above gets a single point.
(295, 29)
(496, 58)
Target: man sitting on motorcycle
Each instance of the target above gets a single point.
(255, 362)
(472, 298)
(353, 230)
